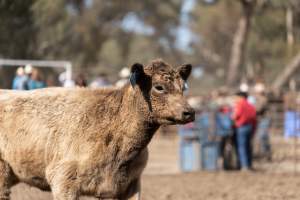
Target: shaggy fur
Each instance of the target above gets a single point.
(88, 142)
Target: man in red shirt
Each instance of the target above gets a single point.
(244, 117)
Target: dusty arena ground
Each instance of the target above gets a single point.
(222, 186)
(278, 180)
(203, 186)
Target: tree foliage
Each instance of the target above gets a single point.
(266, 52)
(77, 30)
(91, 34)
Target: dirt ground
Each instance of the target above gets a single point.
(222, 186)
(162, 180)
(202, 186)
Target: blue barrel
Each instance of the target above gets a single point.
(291, 124)
(209, 155)
(262, 133)
(202, 125)
(189, 150)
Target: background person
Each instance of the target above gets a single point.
(124, 77)
(225, 132)
(65, 81)
(100, 81)
(19, 82)
(35, 81)
(80, 81)
(244, 117)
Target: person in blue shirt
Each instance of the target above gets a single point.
(35, 81)
(19, 82)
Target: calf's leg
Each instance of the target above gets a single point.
(7, 180)
(63, 181)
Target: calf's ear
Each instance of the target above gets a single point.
(184, 71)
(137, 73)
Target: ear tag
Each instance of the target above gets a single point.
(133, 79)
(185, 86)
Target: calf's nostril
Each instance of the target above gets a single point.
(188, 115)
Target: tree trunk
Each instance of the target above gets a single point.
(239, 41)
(287, 71)
(289, 29)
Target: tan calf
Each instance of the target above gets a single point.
(88, 142)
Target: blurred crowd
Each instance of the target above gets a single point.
(228, 126)
(29, 78)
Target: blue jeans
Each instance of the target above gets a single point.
(244, 149)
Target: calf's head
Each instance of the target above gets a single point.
(162, 87)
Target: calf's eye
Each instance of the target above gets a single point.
(159, 88)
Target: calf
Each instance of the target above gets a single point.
(88, 142)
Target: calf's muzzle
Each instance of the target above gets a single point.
(188, 115)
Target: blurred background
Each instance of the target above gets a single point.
(227, 41)
(247, 45)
